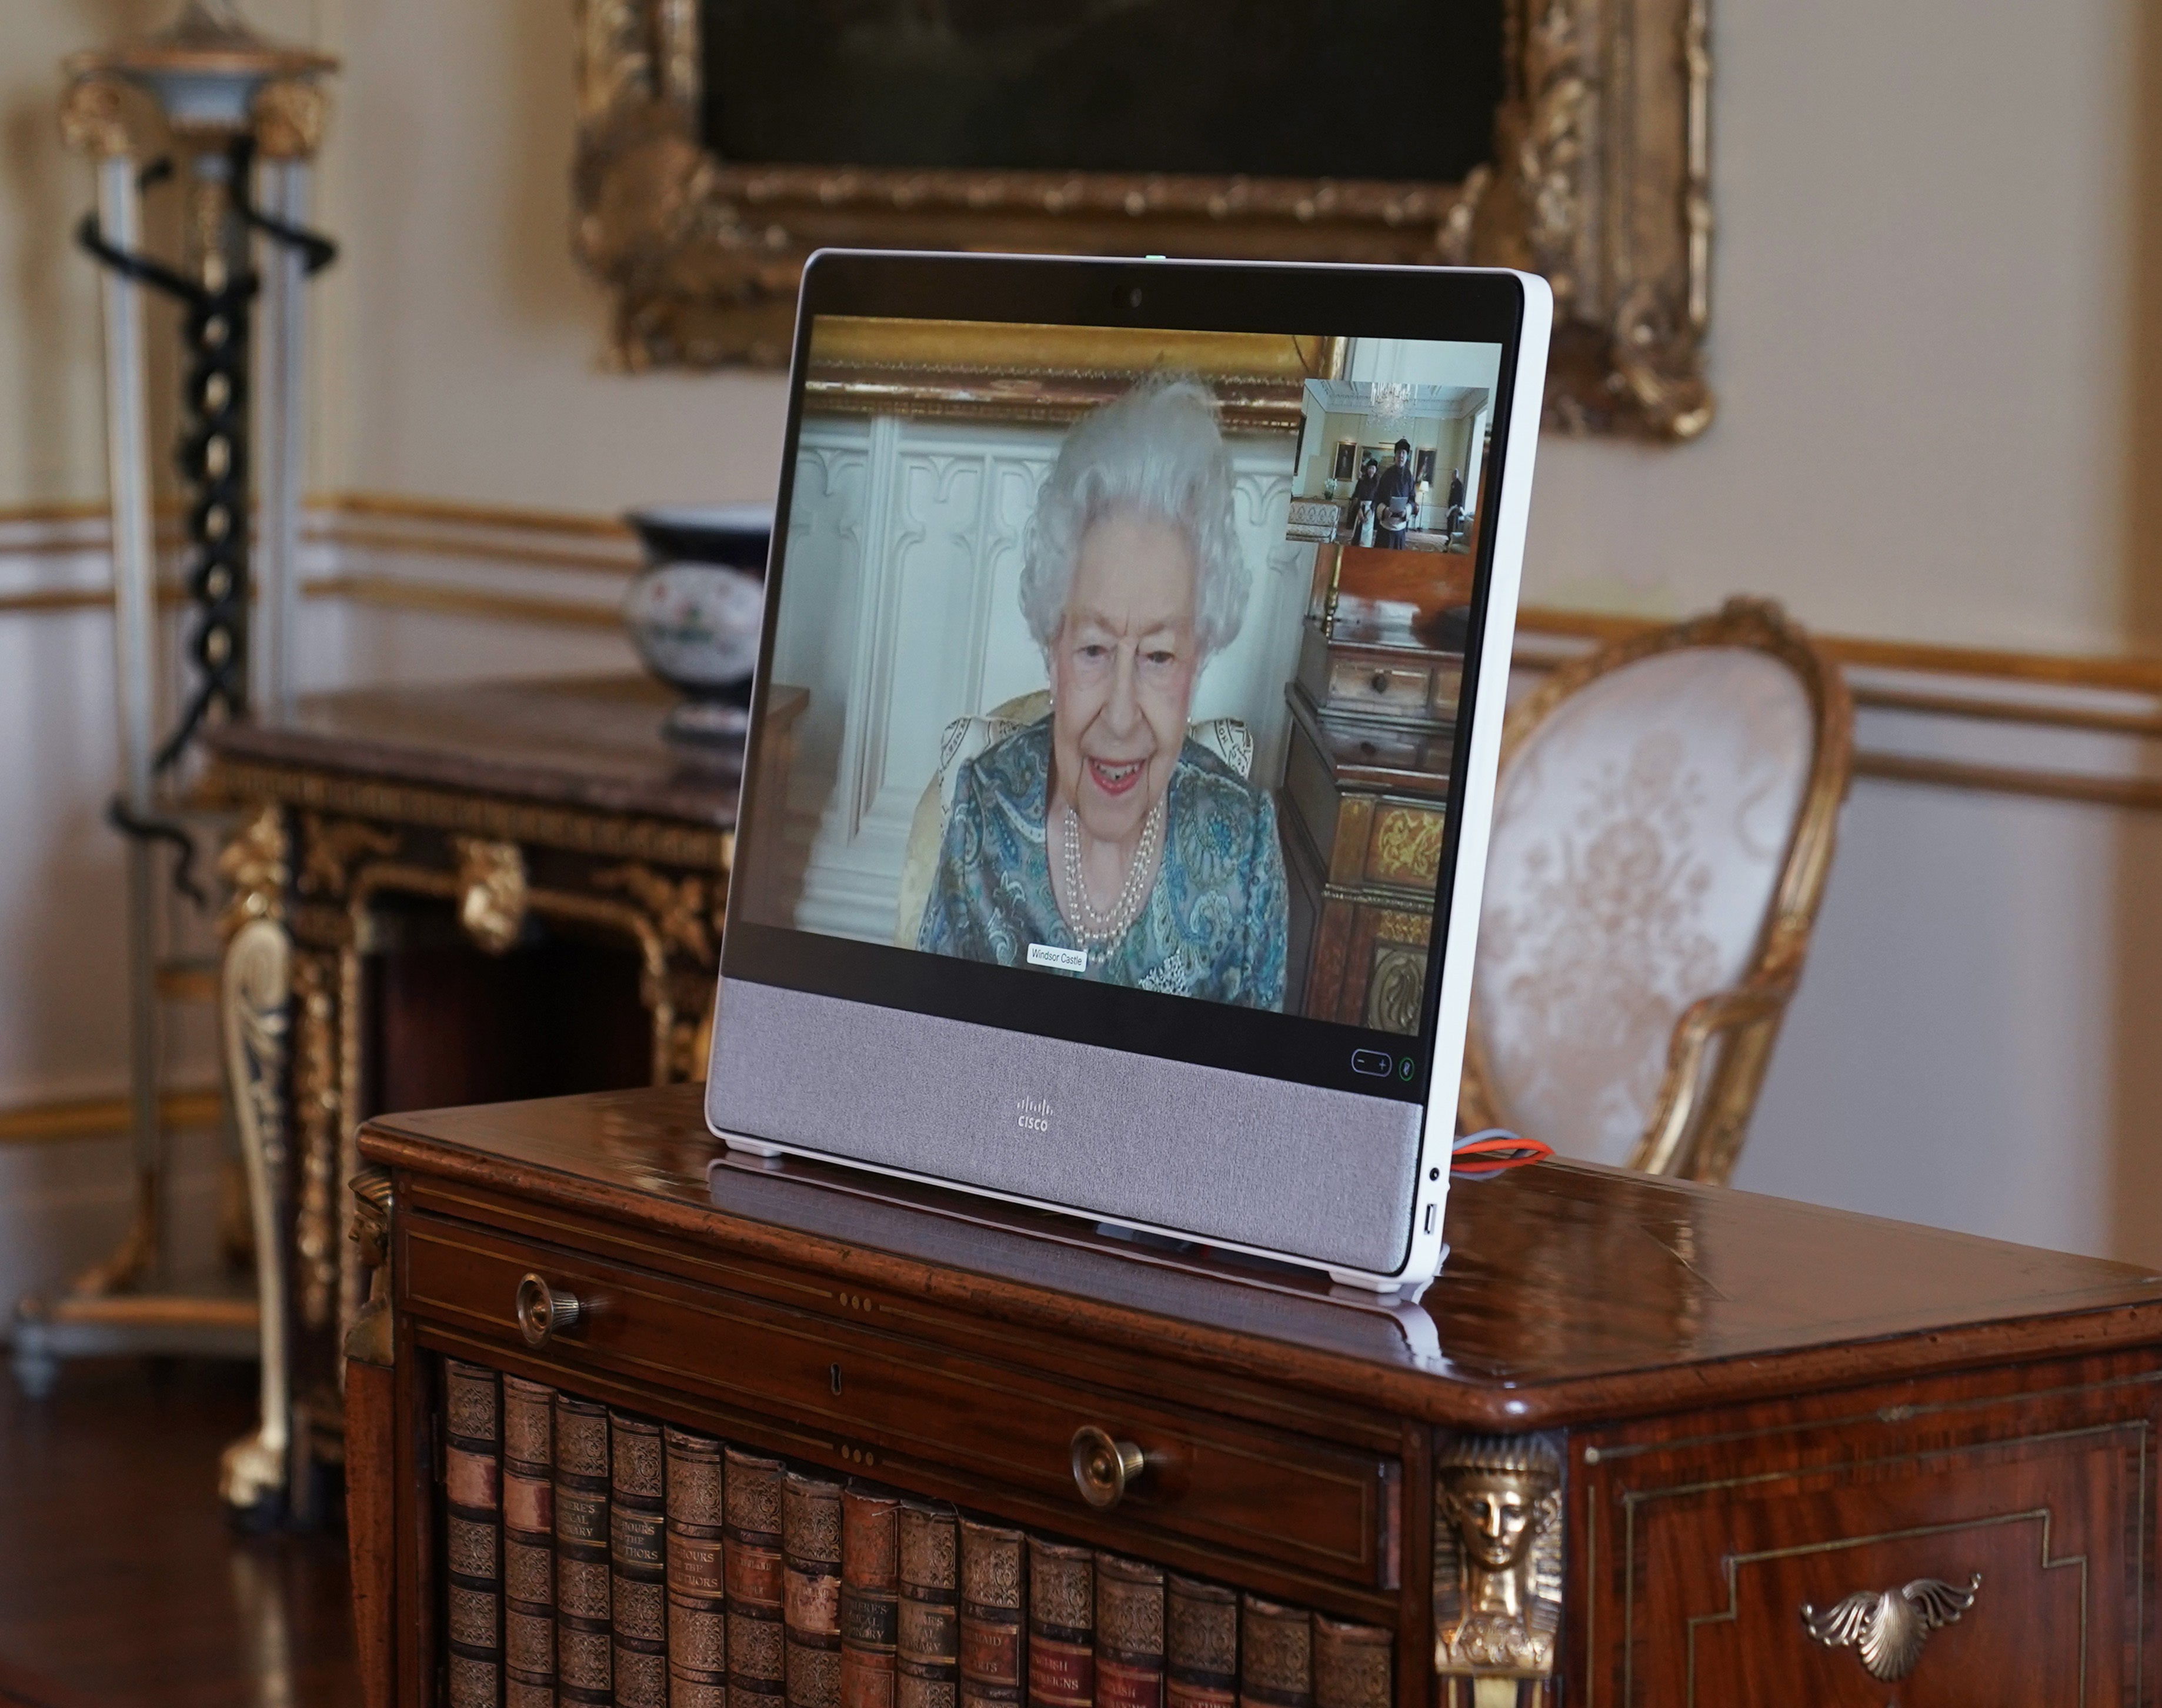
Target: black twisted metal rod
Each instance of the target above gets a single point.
(317, 251)
(212, 459)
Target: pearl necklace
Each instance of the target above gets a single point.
(1092, 928)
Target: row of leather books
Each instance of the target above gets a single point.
(595, 1557)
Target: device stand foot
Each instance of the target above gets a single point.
(752, 1148)
(1381, 1289)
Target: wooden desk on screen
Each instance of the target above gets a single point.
(1701, 1409)
(444, 896)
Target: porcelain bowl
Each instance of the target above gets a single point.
(695, 612)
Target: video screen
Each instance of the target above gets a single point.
(1126, 655)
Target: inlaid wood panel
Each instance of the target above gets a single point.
(1701, 1544)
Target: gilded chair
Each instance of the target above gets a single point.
(1663, 826)
(1227, 738)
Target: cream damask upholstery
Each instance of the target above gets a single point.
(965, 737)
(1662, 829)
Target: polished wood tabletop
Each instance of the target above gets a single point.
(1569, 1290)
(591, 742)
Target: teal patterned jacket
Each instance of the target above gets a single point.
(1214, 924)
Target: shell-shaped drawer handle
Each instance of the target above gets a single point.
(1104, 1468)
(545, 1311)
(1889, 1627)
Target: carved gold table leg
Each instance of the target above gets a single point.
(254, 1473)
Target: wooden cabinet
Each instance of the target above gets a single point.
(1632, 1432)
(1367, 771)
(1362, 833)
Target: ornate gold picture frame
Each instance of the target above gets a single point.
(1600, 182)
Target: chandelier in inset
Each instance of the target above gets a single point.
(1391, 400)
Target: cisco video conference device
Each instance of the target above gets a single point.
(1028, 899)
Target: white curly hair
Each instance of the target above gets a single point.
(1157, 451)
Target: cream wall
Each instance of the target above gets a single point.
(1927, 216)
(50, 429)
(470, 347)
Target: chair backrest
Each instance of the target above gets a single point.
(1227, 738)
(1662, 830)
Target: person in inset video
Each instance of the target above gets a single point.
(1362, 496)
(1453, 511)
(1104, 826)
(1396, 499)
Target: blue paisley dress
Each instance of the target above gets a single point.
(1214, 926)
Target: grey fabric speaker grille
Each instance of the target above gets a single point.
(1326, 1175)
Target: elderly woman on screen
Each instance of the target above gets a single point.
(1103, 831)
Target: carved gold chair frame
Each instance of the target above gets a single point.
(1601, 182)
(1722, 1043)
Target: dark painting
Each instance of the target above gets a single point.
(1273, 88)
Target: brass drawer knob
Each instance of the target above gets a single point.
(1888, 1626)
(544, 1312)
(1103, 1468)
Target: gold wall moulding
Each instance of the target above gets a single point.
(2130, 673)
(394, 593)
(2133, 794)
(1600, 179)
(64, 1122)
(405, 507)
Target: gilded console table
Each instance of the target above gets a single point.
(1642, 1442)
(443, 895)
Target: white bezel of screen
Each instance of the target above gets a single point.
(1475, 815)
(1475, 809)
